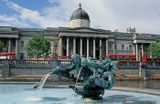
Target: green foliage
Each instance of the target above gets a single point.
(1, 45)
(38, 47)
(154, 50)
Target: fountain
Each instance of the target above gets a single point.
(91, 77)
(40, 84)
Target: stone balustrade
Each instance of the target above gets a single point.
(67, 62)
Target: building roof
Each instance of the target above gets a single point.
(79, 14)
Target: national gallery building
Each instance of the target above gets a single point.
(79, 38)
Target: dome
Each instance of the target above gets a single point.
(79, 14)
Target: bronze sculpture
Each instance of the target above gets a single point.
(91, 77)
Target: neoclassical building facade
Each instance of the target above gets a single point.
(78, 38)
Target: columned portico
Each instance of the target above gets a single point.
(85, 45)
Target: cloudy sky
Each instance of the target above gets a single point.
(104, 14)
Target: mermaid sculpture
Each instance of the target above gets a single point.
(91, 77)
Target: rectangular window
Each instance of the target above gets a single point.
(130, 47)
(110, 45)
(22, 44)
(122, 47)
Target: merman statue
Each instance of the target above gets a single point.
(91, 77)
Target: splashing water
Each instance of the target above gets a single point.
(40, 84)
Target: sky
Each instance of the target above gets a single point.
(144, 15)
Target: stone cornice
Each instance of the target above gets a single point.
(9, 35)
(84, 35)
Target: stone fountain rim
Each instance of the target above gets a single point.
(138, 90)
(127, 89)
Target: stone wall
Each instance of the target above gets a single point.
(8, 69)
(4, 69)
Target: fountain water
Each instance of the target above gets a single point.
(40, 84)
(18, 94)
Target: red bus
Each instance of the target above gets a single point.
(147, 59)
(7, 55)
(122, 57)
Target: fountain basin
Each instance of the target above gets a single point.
(18, 94)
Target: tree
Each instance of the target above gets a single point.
(1, 45)
(38, 47)
(154, 50)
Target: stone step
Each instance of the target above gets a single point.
(28, 78)
(155, 77)
(128, 77)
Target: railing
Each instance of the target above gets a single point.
(63, 63)
(67, 62)
(135, 65)
(128, 65)
(124, 51)
(153, 65)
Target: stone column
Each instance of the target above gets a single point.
(106, 47)
(100, 48)
(137, 52)
(142, 49)
(81, 46)
(87, 47)
(52, 47)
(113, 47)
(60, 47)
(94, 48)
(9, 45)
(74, 46)
(134, 49)
(67, 46)
(16, 48)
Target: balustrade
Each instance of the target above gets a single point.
(67, 62)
